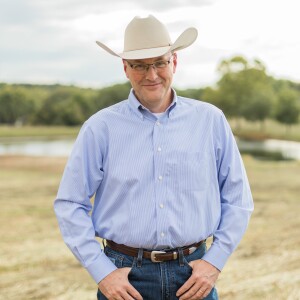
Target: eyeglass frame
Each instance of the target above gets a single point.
(147, 66)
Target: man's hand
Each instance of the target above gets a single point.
(115, 286)
(201, 282)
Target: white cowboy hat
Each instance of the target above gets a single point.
(148, 37)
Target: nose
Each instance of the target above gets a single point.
(151, 73)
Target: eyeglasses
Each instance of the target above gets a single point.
(143, 68)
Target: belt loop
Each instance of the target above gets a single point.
(103, 244)
(180, 253)
(140, 257)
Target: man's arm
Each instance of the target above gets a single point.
(235, 197)
(236, 208)
(82, 176)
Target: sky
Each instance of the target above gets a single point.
(53, 42)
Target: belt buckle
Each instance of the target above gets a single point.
(153, 259)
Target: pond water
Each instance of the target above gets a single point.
(269, 149)
(41, 147)
(273, 149)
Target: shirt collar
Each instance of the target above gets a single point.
(138, 107)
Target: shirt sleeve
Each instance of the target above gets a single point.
(82, 176)
(235, 197)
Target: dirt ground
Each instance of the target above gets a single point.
(35, 263)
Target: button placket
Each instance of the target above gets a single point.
(159, 172)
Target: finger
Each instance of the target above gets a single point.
(130, 294)
(187, 285)
(200, 294)
(206, 293)
(127, 296)
(119, 298)
(126, 270)
(192, 292)
(133, 293)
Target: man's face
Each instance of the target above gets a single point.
(152, 87)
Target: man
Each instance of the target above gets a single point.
(166, 174)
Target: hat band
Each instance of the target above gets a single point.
(130, 50)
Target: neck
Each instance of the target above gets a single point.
(158, 106)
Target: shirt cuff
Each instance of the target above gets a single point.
(216, 256)
(101, 267)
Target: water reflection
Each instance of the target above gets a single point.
(271, 149)
(37, 147)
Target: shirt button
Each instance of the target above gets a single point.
(161, 205)
(159, 149)
(162, 234)
(160, 177)
(157, 123)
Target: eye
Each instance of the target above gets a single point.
(139, 67)
(160, 64)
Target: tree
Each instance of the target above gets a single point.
(15, 105)
(245, 90)
(111, 95)
(64, 106)
(212, 95)
(190, 93)
(288, 107)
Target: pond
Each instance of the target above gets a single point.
(36, 147)
(269, 149)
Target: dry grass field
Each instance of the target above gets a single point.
(35, 263)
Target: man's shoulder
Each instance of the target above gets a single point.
(200, 106)
(109, 112)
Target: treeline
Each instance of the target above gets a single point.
(243, 90)
(55, 104)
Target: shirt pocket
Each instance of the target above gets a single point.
(189, 171)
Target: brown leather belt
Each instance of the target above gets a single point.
(155, 256)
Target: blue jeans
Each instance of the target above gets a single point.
(157, 281)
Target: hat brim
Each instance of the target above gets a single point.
(183, 41)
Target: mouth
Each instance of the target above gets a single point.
(152, 85)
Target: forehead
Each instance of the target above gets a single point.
(150, 60)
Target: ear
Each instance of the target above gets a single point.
(125, 67)
(174, 60)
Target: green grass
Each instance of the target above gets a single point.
(38, 131)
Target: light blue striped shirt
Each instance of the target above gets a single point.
(166, 182)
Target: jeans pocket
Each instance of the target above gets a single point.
(115, 258)
(186, 263)
(130, 264)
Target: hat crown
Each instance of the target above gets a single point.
(146, 33)
(148, 37)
